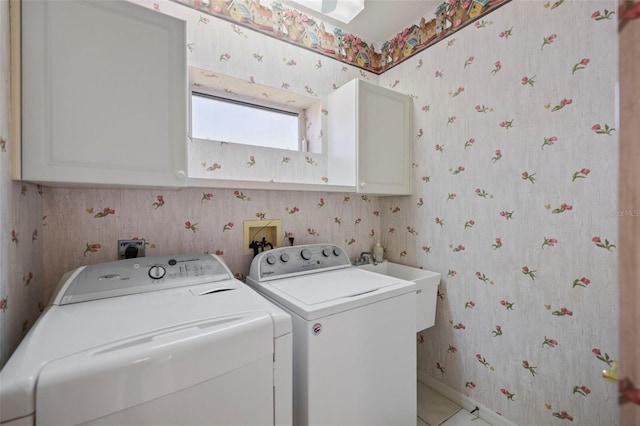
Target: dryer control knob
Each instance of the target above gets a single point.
(337, 251)
(271, 259)
(306, 254)
(326, 252)
(284, 257)
(157, 272)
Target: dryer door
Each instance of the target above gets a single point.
(216, 372)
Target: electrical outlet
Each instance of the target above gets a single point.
(136, 248)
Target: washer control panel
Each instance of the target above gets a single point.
(141, 275)
(291, 261)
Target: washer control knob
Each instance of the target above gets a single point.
(337, 251)
(157, 272)
(306, 254)
(326, 252)
(284, 257)
(271, 259)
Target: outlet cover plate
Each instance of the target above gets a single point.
(123, 244)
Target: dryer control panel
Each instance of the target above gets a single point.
(293, 261)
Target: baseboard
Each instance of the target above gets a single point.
(486, 414)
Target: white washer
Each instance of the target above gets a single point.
(354, 350)
(156, 340)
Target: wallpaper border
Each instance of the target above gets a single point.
(298, 29)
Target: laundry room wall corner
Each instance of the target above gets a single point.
(21, 224)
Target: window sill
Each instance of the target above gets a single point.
(280, 186)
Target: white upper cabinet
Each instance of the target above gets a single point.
(370, 139)
(104, 94)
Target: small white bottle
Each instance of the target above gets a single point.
(378, 252)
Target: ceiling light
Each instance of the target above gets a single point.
(342, 10)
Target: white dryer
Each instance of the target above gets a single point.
(156, 340)
(354, 350)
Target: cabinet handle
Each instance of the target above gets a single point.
(180, 175)
(363, 183)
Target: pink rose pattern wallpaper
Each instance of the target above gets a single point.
(197, 221)
(515, 170)
(22, 276)
(516, 173)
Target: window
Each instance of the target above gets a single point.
(238, 121)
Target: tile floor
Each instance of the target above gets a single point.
(435, 410)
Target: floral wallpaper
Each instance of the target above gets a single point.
(197, 221)
(22, 222)
(515, 202)
(516, 167)
(288, 24)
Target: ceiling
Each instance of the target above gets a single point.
(380, 20)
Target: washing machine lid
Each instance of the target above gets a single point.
(102, 381)
(327, 287)
(325, 293)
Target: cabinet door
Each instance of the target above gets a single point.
(384, 141)
(104, 94)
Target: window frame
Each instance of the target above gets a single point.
(251, 102)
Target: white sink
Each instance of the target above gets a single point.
(426, 288)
